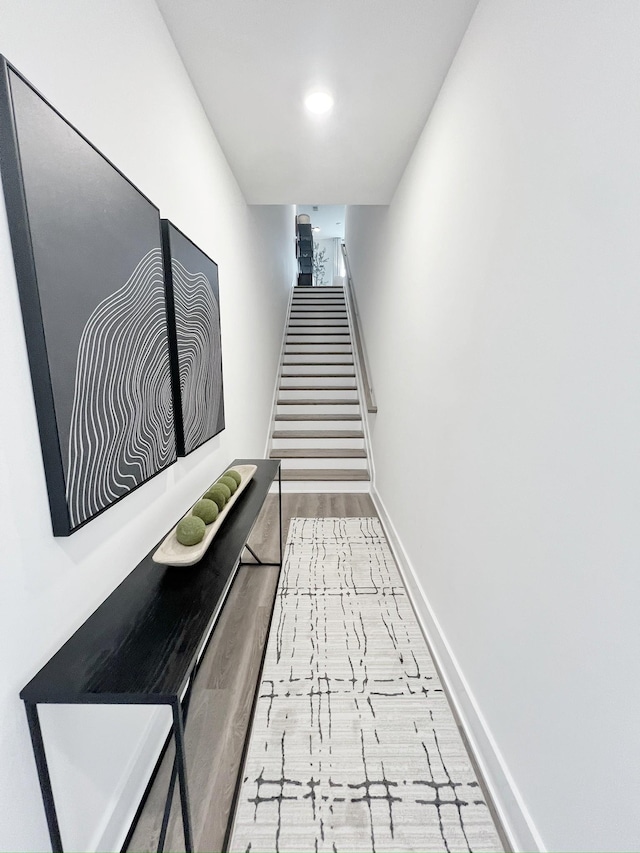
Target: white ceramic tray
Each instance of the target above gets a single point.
(172, 553)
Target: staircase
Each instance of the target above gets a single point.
(317, 428)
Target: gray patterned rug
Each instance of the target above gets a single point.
(353, 745)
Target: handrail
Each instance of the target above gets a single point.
(369, 396)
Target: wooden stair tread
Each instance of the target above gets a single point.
(316, 334)
(306, 352)
(318, 453)
(314, 402)
(318, 433)
(294, 417)
(285, 374)
(317, 363)
(324, 474)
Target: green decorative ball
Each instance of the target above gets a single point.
(225, 488)
(230, 482)
(217, 495)
(231, 473)
(206, 509)
(190, 530)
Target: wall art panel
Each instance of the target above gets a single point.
(88, 255)
(194, 327)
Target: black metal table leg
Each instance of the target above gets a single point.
(174, 772)
(280, 508)
(43, 776)
(178, 728)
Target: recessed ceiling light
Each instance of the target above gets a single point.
(318, 103)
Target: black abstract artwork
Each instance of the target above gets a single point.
(88, 256)
(194, 328)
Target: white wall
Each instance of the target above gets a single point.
(111, 68)
(502, 322)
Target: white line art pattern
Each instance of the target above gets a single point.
(122, 429)
(199, 354)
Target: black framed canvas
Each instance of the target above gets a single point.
(88, 256)
(193, 307)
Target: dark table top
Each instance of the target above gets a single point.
(140, 645)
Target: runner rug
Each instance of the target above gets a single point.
(353, 745)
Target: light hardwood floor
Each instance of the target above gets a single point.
(224, 689)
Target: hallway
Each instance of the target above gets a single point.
(486, 156)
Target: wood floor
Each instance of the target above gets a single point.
(223, 692)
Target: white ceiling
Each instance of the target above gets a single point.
(252, 61)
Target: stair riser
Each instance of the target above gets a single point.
(315, 325)
(315, 381)
(315, 320)
(317, 409)
(295, 394)
(325, 488)
(325, 297)
(311, 370)
(317, 426)
(346, 463)
(317, 349)
(322, 330)
(318, 306)
(316, 358)
(317, 317)
(323, 443)
(326, 474)
(318, 340)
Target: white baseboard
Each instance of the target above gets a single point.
(516, 820)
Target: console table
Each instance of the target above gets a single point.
(143, 644)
